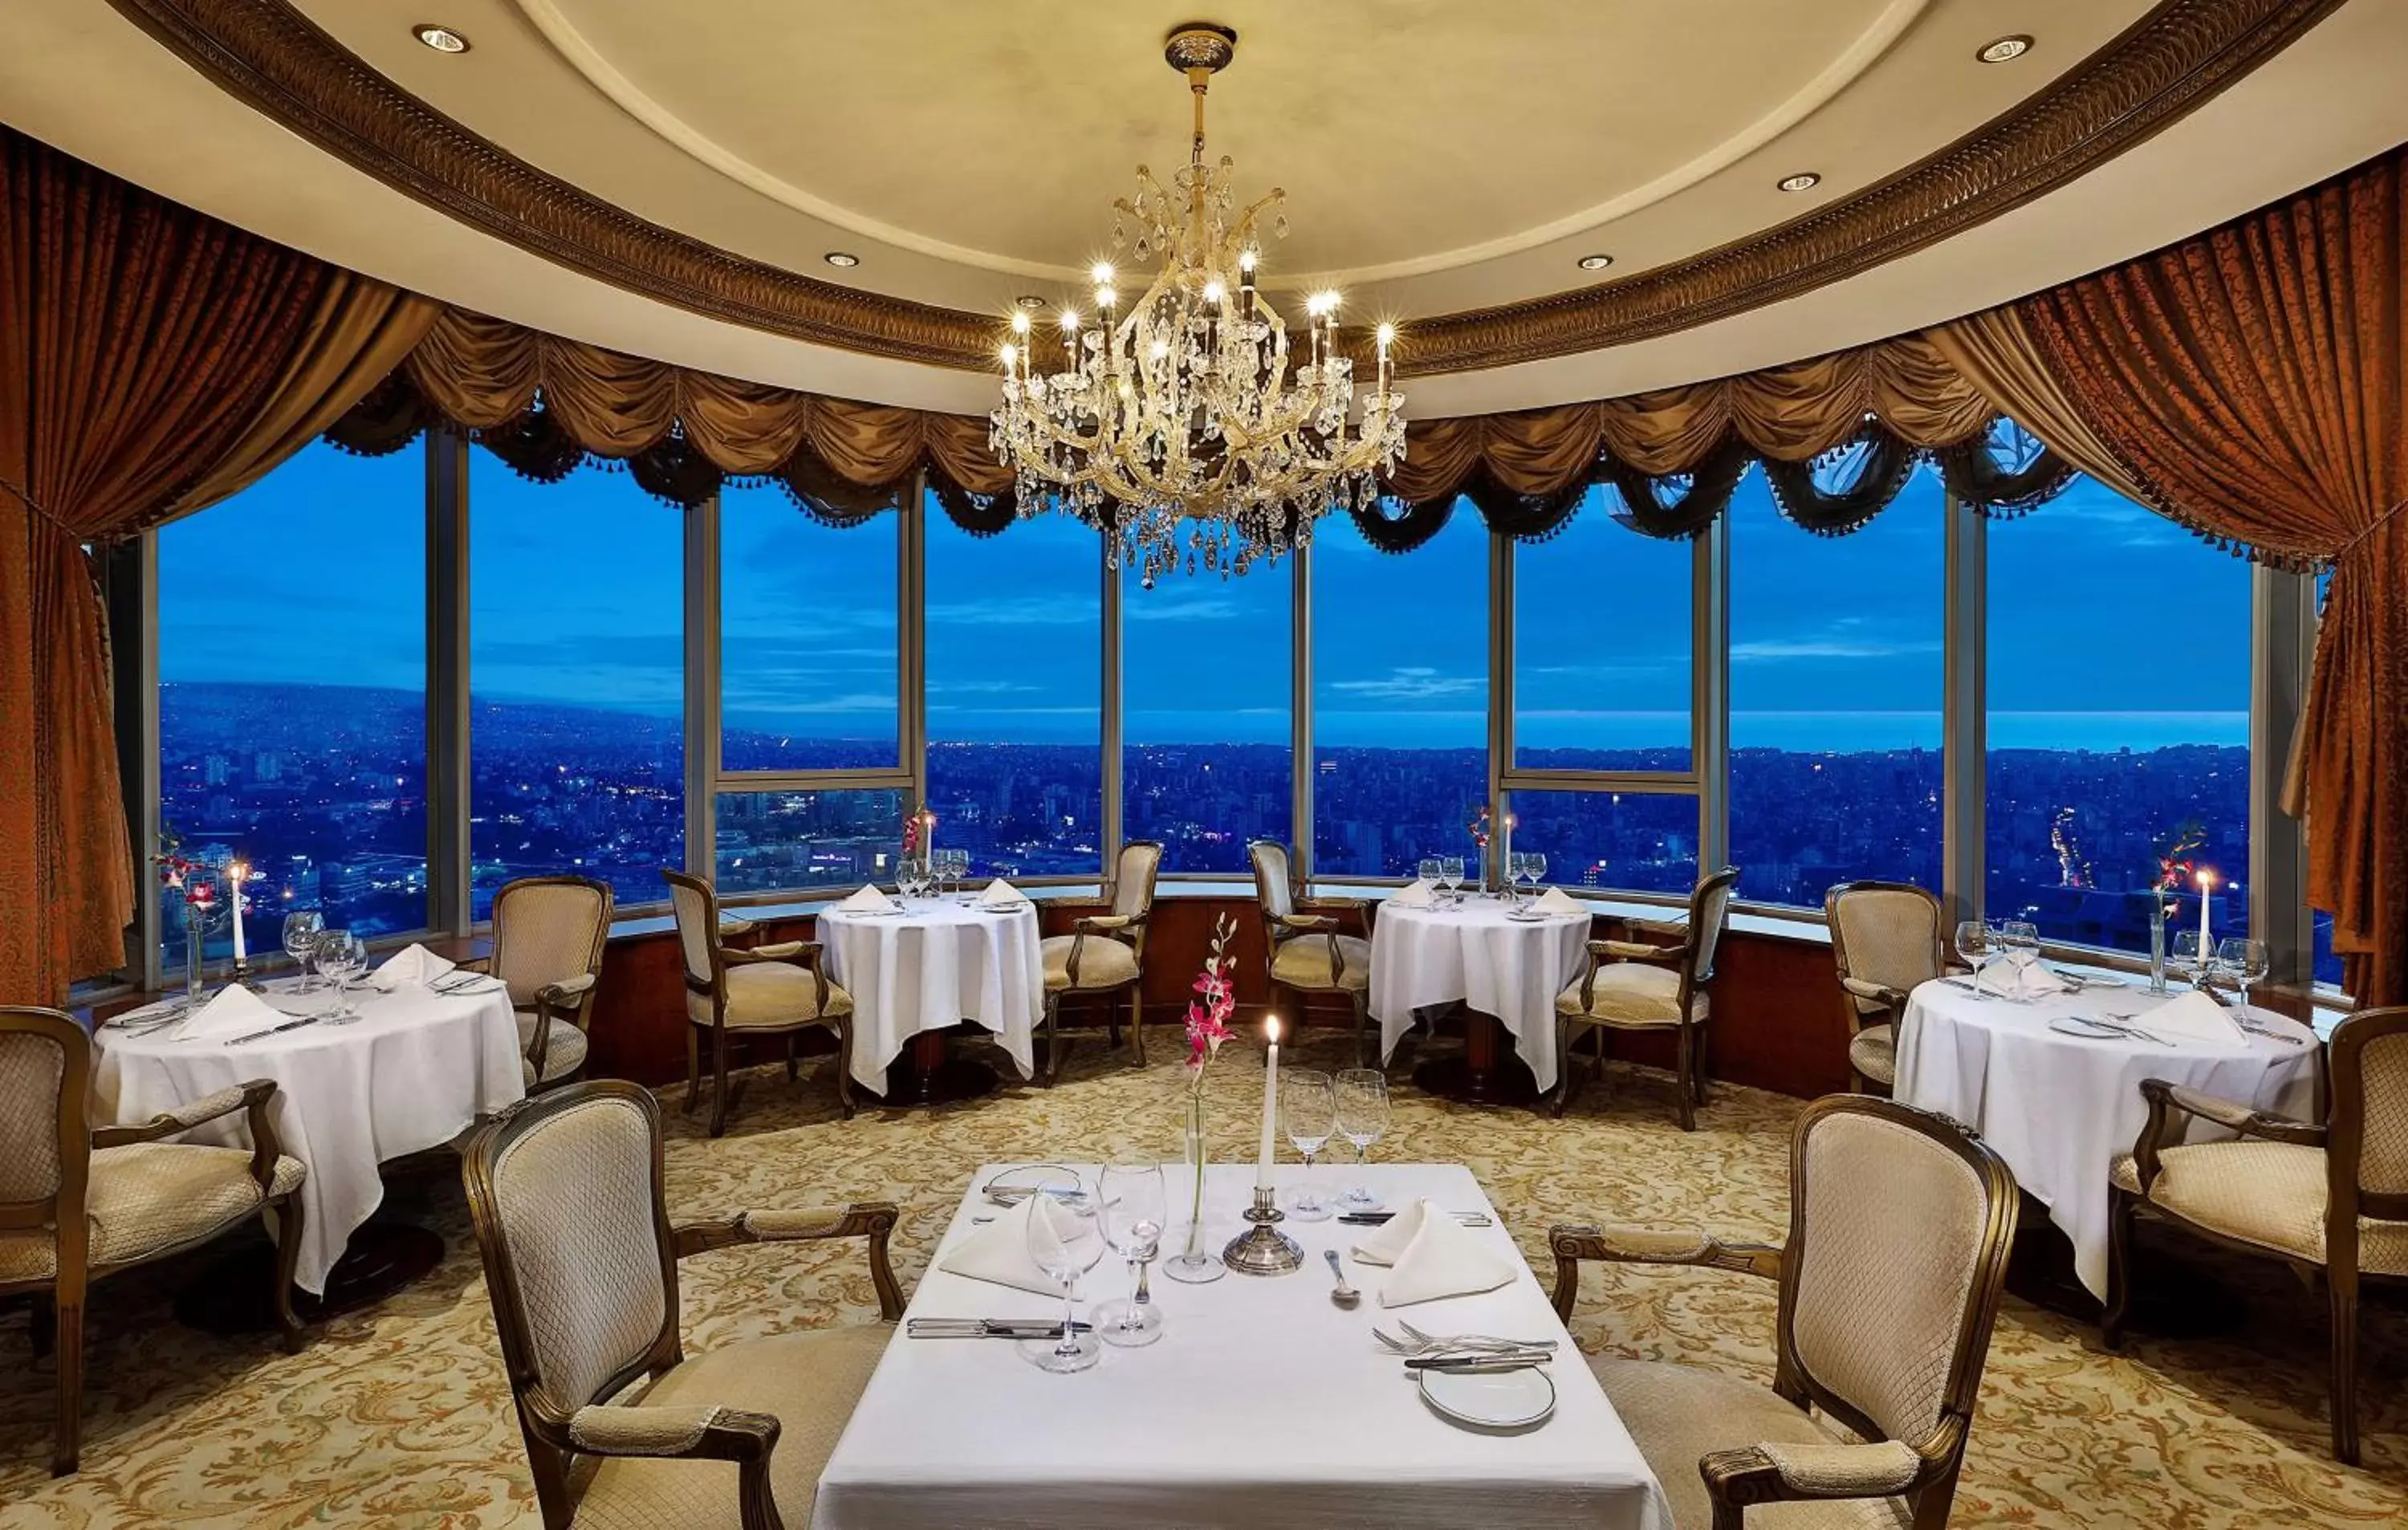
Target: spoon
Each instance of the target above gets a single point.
(1344, 1296)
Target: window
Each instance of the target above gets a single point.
(810, 660)
(1642, 840)
(577, 682)
(774, 842)
(2118, 684)
(1400, 697)
(1014, 666)
(293, 693)
(1206, 671)
(1838, 672)
(1602, 640)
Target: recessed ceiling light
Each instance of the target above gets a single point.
(1029, 301)
(442, 38)
(840, 260)
(1595, 263)
(2004, 48)
(1804, 180)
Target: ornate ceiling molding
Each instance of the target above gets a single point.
(275, 59)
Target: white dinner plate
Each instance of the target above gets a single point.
(1529, 916)
(2097, 979)
(2089, 1030)
(1002, 907)
(1505, 1399)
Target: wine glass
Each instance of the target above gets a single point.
(302, 928)
(1431, 870)
(1976, 946)
(341, 956)
(2020, 940)
(1136, 1208)
(2245, 959)
(1066, 1237)
(1362, 1107)
(1308, 1108)
(1450, 870)
(1537, 861)
(961, 874)
(2193, 957)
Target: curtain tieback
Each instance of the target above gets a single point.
(2368, 530)
(17, 492)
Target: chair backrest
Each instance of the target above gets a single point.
(1273, 888)
(2366, 1151)
(1134, 875)
(44, 1136)
(1886, 933)
(566, 1194)
(547, 929)
(1899, 1223)
(1709, 908)
(695, 904)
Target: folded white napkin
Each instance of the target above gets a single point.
(413, 965)
(2033, 981)
(1430, 1255)
(998, 1251)
(1413, 894)
(869, 900)
(2192, 1014)
(233, 1011)
(1000, 892)
(1554, 900)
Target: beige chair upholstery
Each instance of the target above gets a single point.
(756, 991)
(78, 1203)
(1663, 982)
(2332, 1198)
(549, 936)
(585, 1301)
(1104, 955)
(1900, 1227)
(1885, 938)
(1307, 951)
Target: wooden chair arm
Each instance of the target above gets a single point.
(1106, 923)
(1876, 992)
(1766, 1473)
(871, 1220)
(1573, 1242)
(1302, 923)
(1671, 929)
(1634, 950)
(2162, 1130)
(185, 1117)
(691, 1434)
(807, 952)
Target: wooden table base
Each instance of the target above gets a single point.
(930, 1072)
(235, 1295)
(1486, 1072)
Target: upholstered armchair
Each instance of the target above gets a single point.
(78, 1203)
(549, 933)
(2330, 1201)
(584, 1289)
(1306, 952)
(778, 990)
(1662, 982)
(1885, 938)
(1104, 955)
(1899, 1223)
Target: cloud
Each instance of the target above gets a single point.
(1778, 649)
(1023, 611)
(1154, 606)
(1414, 682)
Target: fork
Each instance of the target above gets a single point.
(1417, 1342)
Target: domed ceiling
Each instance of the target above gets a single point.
(671, 179)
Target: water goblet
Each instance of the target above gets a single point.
(1431, 870)
(1066, 1238)
(1537, 861)
(1976, 946)
(1136, 1207)
(2193, 957)
(1308, 1110)
(2246, 960)
(962, 875)
(341, 956)
(2020, 938)
(302, 928)
(1451, 869)
(1361, 1096)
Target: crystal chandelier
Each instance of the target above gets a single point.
(1176, 426)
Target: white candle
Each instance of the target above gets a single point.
(1270, 1106)
(1505, 853)
(2206, 886)
(235, 872)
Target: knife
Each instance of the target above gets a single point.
(1374, 1219)
(1475, 1364)
(991, 1328)
(273, 1030)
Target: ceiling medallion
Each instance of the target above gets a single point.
(1179, 415)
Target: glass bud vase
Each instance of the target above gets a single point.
(1195, 1264)
(2157, 943)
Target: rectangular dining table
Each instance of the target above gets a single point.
(1263, 1405)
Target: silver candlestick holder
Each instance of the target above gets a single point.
(1263, 1249)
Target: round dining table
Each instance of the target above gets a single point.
(1505, 966)
(2060, 1108)
(919, 969)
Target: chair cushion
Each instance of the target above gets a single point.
(1874, 1052)
(2270, 1194)
(1103, 961)
(1304, 963)
(564, 1053)
(149, 1197)
(808, 1382)
(769, 995)
(1638, 993)
(1677, 1413)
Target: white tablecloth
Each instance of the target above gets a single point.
(1261, 1405)
(1502, 966)
(413, 1072)
(2059, 1107)
(933, 965)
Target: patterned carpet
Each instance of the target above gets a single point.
(401, 1417)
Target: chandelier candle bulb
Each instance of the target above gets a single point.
(1270, 1105)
